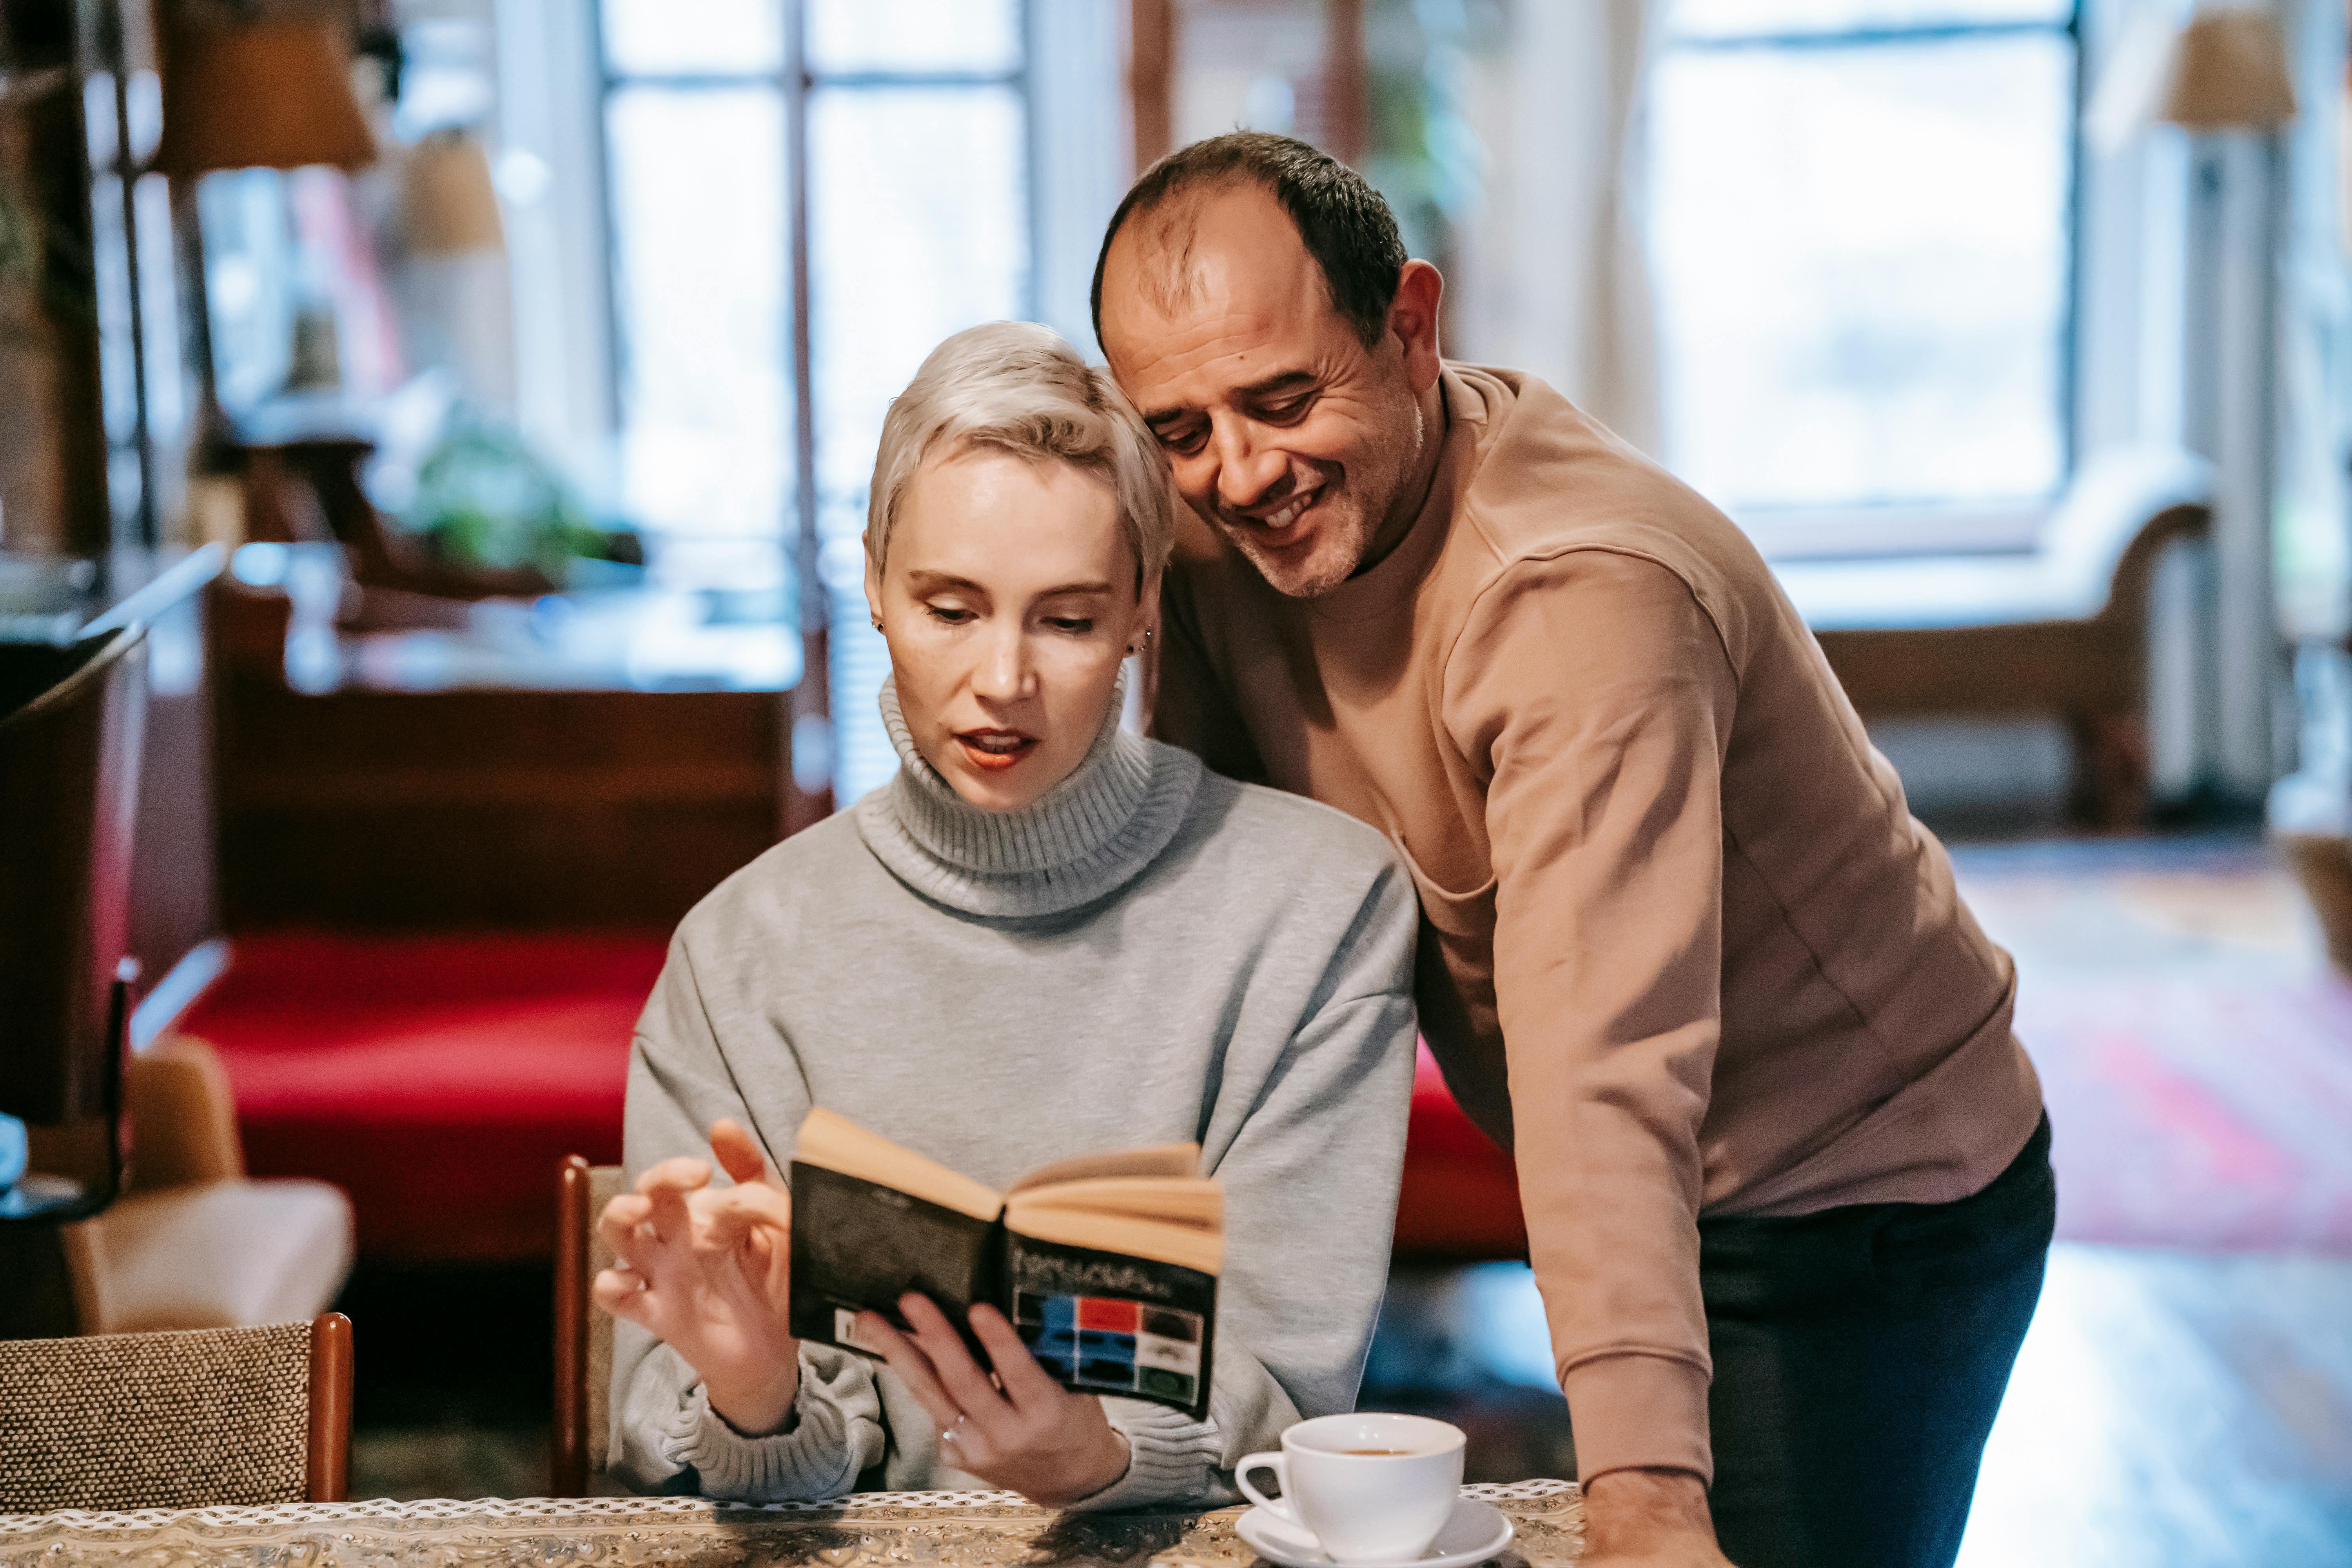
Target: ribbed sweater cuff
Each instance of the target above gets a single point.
(1638, 1411)
(1170, 1459)
(814, 1458)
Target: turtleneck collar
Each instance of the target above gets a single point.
(1084, 839)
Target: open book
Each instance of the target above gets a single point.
(1106, 1265)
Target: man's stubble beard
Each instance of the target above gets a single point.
(1357, 525)
(1339, 543)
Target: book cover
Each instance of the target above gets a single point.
(1105, 1264)
(860, 1245)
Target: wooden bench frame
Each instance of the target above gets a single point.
(2089, 671)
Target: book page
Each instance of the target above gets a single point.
(1113, 1322)
(1182, 1160)
(1194, 1201)
(837, 1144)
(1183, 1228)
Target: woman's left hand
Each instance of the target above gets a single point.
(1020, 1430)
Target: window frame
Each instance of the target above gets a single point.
(796, 79)
(1912, 528)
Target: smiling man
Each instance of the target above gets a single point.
(1683, 951)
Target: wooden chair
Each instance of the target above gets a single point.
(584, 1336)
(2060, 631)
(196, 1418)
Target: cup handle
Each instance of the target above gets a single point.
(1277, 1506)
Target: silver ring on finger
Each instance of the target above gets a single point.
(954, 1429)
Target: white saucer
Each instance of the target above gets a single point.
(1476, 1532)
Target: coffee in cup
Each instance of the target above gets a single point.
(1371, 1489)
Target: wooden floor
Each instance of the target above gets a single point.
(2176, 1410)
(2168, 1410)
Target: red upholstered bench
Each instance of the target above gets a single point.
(1461, 1196)
(439, 1080)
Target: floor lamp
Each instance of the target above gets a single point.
(245, 94)
(2226, 85)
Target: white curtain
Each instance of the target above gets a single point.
(1556, 280)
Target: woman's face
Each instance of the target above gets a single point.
(1008, 598)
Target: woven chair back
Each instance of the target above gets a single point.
(194, 1418)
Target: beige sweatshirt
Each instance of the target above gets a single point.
(1679, 928)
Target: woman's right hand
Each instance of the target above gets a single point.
(707, 1270)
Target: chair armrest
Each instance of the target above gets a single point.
(183, 1116)
(2098, 545)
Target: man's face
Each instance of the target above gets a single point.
(1281, 430)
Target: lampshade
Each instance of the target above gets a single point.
(448, 202)
(273, 94)
(2229, 72)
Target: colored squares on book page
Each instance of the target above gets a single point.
(1114, 1346)
(1108, 1317)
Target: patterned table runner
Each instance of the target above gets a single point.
(948, 1529)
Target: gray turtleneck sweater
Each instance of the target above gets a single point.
(1149, 953)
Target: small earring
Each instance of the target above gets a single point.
(877, 622)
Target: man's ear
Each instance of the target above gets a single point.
(1412, 321)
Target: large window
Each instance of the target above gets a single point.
(910, 119)
(1861, 221)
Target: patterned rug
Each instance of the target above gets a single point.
(2195, 1048)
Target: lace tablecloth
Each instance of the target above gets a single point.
(947, 1530)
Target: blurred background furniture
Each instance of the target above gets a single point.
(1459, 1202)
(308, 488)
(2060, 630)
(214, 1417)
(52, 601)
(539, 764)
(433, 1074)
(182, 1241)
(69, 724)
(194, 1243)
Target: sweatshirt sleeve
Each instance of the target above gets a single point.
(1597, 696)
(664, 1437)
(1307, 1138)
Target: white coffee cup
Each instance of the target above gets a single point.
(1371, 1489)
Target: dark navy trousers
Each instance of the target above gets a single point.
(1860, 1356)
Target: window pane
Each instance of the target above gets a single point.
(248, 270)
(914, 35)
(700, 275)
(918, 222)
(117, 392)
(159, 303)
(1736, 18)
(1862, 258)
(742, 37)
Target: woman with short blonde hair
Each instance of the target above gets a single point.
(1017, 387)
(1045, 938)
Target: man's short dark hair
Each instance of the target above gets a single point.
(1343, 222)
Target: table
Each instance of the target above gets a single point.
(948, 1529)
